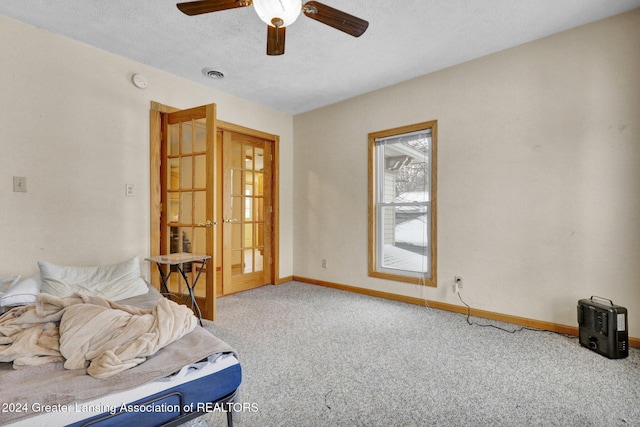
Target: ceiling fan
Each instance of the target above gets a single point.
(278, 14)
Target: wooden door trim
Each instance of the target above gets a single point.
(155, 190)
(155, 209)
(246, 131)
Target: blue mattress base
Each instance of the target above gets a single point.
(176, 405)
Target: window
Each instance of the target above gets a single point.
(402, 204)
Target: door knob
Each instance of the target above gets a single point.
(207, 224)
(228, 220)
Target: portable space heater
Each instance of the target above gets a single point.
(603, 327)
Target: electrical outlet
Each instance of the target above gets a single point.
(128, 190)
(457, 284)
(325, 264)
(458, 281)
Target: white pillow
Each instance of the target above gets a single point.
(22, 292)
(113, 282)
(7, 282)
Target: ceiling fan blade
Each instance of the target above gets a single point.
(206, 6)
(275, 40)
(335, 18)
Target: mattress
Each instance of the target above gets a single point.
(191, 389)
(182, 377)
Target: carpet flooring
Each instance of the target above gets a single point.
(314, 356)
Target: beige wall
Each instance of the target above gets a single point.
(75, 126)
(538, 183)
(539, 167)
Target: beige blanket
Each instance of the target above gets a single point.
(90, 332)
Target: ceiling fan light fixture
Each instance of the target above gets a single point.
(278, 13)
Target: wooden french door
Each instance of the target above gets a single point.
(188, 199)
(247, 211)
(214, 191)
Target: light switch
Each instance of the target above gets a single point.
(19, 184)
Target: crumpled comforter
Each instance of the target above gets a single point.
(90, 332)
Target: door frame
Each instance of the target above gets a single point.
(155, 205)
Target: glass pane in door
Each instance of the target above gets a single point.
(247, 205)
(186, 196)
(246, 194)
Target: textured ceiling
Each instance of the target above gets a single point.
(321, 65)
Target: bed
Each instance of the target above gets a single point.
(193, 375)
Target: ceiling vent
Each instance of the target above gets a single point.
(213, 74)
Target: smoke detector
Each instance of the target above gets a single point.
(212, 73)
(139, 81)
